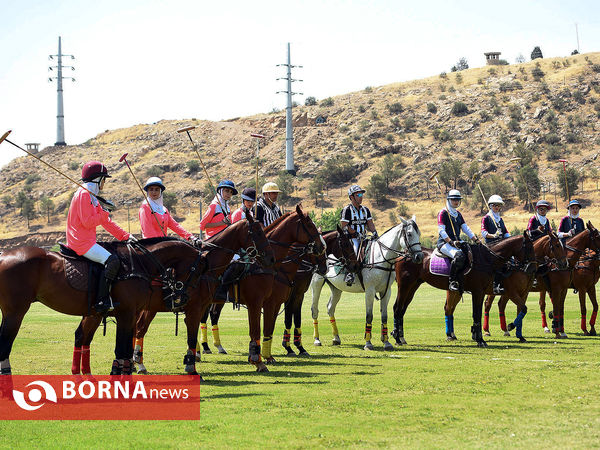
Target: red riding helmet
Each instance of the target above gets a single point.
(92, 170)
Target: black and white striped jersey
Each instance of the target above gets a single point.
(356, 218)
(266, 214)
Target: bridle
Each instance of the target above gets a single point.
(409, 247)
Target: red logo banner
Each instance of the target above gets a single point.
(59, 397)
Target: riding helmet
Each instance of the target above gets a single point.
(355, 189)
(270, 187)
(249, 194)
(574, 203)
(544, 203)
(154, 181)
(454, 194)
(227, 184)
(496, 200)
(92, 170)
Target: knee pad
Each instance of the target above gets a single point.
(111, 267)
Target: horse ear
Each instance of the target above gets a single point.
(590, 226)
(414, 218)
(299, 209)
(403, 220)
(248, 216)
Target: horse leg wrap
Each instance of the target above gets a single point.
(593, 318)
(266, 347)
(384, 332)
(286, 338)
(583, 323)
(117, 367)
(189, 360)
(544, 322)
(203, 333)
(254, 352)
(127, 366)
(449, 325)
(216, 336)
(334, 327)
(561, 323)
(502, 321)
(316, 329)
(368, 327)
(519, 324)
(297, 337)
(555, 326)
(138, 351)
(5, 367)
(85, 360)
(76, 365)
(486, 321)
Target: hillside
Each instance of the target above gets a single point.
(555, 115)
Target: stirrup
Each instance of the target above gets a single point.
(349, 279)
(498, 290)
(453, 286)
(105, 306)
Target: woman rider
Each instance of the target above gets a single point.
(493, 230)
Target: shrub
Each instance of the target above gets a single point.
(374, 115)
(439, 134)
(390, 138)
(484, 116)
(451, 89)
(361, 109)
(492, 71)
(326, 102)
(514, 112)
(431, 108)
(513, 125)
(443, 75)
(368, 89)
(571, 138)
(460, 109)
(348, 142)
(310, 101)
(552, 138)
(579, 97)
(553, 153)
(193, 166)
(170, 200)
(395, 108)
(73, 165)
(596, 68)
(537, 73)
(154, 171)
(536, 53)
(497, 111)
(459, 78)
(409, 124)
(32, 178)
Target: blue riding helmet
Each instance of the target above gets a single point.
(227, 184)
(574, 203)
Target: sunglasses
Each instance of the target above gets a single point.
(360, 194)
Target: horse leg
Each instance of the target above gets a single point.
(582, 293)
(192, 322)
(452, 300)
(83, 338)
(270, 309)
(517, 325)
(204, 334)
(123, 362)
(543, 311)
(502, 314)
(592, 295)
(384, 318)
(288, 313)
(144, 319)
(316, 286)
(476, 333)
(561, 312)
(489, 301)
(405, 295)
(369, 300)
(334, 298)
(298, 325)
(8, 332)
(215, 313)
(254, 305)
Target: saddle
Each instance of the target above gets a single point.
(439, 264)
(81, 273)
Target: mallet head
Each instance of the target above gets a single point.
(564, 161)
(260, 136)
(434, 175)
(122, 158)
(184, 129)
(4, 136)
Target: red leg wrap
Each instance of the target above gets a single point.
(502, 322)
(85, 360)
(544, 322)
(76, 366)
(593, 318)
(583, 324)
(486, 322)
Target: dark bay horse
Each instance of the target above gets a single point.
(585, 277)
(575, 248)
(339, 253)
(215, 254)
(549, 254)
(410, 275)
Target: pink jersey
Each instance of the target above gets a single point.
(82, 221)
(213, 214)
(151, 228)
(239, 214)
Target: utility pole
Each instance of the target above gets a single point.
(577, 34)
(60, 115)
(289, 133)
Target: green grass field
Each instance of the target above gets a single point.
(431, 393)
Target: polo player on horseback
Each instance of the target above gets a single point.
(248, 200)
(493, 230)
(356, 220)
(85, 214)
(571, 224)
(158, 225)
(218, 215)
(450, 224)
(539, 225)
(267, 210)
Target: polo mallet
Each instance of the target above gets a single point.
(124, 159)
(564, 162)
(187, 131)
(432, 177)
(107, 203)
(258, 138)
(515, 159)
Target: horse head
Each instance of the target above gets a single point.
(347, 250)
(557, 251)
(411, 238)
(311, 235)
(257, 245)
(594, 237)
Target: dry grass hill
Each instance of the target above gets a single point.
(484, 115)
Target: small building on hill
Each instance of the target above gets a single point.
(492, 58)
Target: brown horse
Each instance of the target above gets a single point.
(585, 277)
(294, 250)
(340, 253)
(410, 275)
(215, 253)
(575, 247)
(518, 284)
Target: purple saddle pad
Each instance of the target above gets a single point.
(439, 266)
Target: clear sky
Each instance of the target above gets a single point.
(143, 61)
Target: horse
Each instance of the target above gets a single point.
(340, 254)
(410, 275)
(215, 253)
(293, 250)
(575, 248)
(376, 278)
(585, 277)
(548, 250)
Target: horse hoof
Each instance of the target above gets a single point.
(368, 346)
(522, 340)
(270, 360)
(304, 353)
(507, 333)
(487, 333)
(451, 337)
(207, 351)
(592, 331)
(317, 342)
(198, 358)
(586, 332)
(290, 352)
(142, 369)
(387, 346)
(563, 335)
(482, 344)
(221, 350)
(511, 326)
(336, 341)
(546, 330)
(261, 368)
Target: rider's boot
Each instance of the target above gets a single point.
(104, 302)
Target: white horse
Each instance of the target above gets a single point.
(378, 273)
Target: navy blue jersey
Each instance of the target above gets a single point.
(452, 228)
(488, 224)
(534, 228)
(567, 224)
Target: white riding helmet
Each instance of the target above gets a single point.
(355, 189)
(270, 187)
(454, 194)
(495, 199)
(154, 181)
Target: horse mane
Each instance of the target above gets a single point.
(277, 222)
(118, 247)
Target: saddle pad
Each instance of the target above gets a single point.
(76, 272)
(439, 266)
